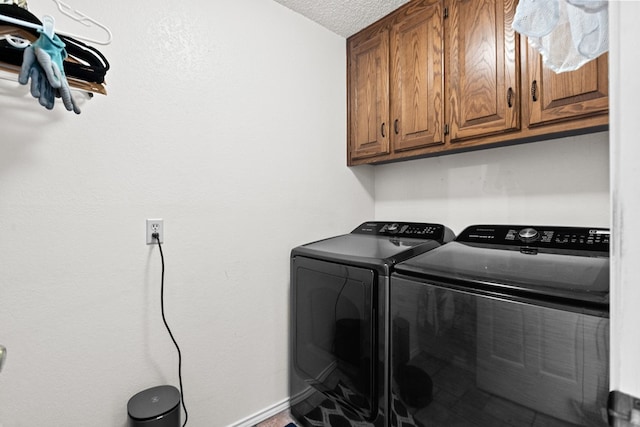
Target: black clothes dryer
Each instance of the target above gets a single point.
(506, 325)
(340, 322)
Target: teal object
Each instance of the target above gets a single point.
(40, 87)
(43, 64)
(51, 54)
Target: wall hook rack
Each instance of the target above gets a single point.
(74, 14)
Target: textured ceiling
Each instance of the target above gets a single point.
(343, 17)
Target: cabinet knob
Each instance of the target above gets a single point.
(528, 235)
(382, 130)
(510, 97)
(534, 90)
(395, 126)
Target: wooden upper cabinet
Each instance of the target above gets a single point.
(482, 68)
(570, 95)
(417, 113)
(368, 115)
(438, 76)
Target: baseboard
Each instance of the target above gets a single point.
(283, 405)
(262, 415)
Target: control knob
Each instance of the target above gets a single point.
(393, 228)
(528, 235)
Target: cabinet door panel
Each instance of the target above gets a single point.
(569, 95)
(417, 80)
(369, 97)
(482, 68)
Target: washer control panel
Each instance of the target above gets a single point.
(576, 238)
(415, 230)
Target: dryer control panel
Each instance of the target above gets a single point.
(414, 230)
(573, 238)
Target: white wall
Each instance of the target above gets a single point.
(227, 120)
(556, 182)
(625, 197)
(232, 114)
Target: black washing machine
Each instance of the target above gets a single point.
(505, 326)
(340, 321)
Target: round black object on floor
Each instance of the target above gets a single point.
(416, 386)
(155, 407)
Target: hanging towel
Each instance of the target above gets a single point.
(567, 33)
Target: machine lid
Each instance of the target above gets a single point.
(153, 402)
(378, 243)
(555, 265)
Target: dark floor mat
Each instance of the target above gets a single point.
(329, 413)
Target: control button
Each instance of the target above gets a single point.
(528, 235)
(393, 228)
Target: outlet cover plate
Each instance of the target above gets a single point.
(155, 226)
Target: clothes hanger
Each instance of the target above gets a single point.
(16, 37)
(47, 27)
(83, 63)
(85, 20)
(87, 89)
(21, 38)
(71, 13)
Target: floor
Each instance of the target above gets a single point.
(458, 400)
(278, 420)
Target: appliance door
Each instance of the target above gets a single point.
(333, 324)
(465, 358)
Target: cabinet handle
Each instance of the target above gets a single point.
(395, 126)
(3, 355)
(509, 97)
(382, 130)
(534, 90)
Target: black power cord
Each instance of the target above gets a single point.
(186, 416)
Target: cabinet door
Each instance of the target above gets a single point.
(369, 97)
(416, 79)
(482, 68)
(569, 95)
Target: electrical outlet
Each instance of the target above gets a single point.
(155, 226)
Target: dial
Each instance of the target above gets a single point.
(393, 228)
(528, 235)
